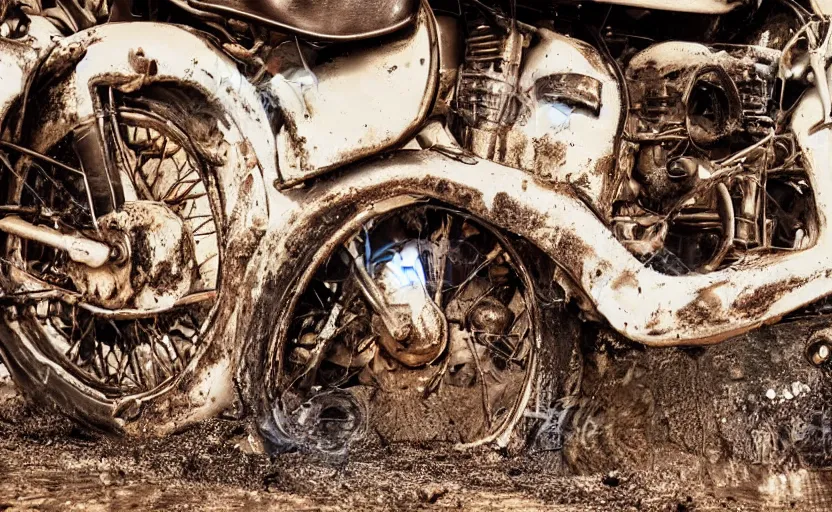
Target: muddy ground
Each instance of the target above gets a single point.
(745, 425)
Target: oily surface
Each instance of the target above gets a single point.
(652, 429)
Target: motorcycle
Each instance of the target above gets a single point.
(336, 215)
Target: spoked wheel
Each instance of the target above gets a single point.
(91, 338)
(421, 327)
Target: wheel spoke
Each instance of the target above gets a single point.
(122, 356)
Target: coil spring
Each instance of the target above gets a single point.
(487, 81)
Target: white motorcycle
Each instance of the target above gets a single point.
(388, 213)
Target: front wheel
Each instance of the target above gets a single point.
(424, 325)
(96, 342)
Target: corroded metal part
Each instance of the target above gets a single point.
(90, 253)
(161, 264)
(690, 106)
(428, 334)
(449, 38)
(490, 316)
(487, 89)
(571, 89)
(670, 71)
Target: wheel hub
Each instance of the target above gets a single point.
(155, 264)
(403, 282)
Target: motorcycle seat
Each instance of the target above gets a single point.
(326, 20)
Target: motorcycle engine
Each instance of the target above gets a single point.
(682, 145)
(691, 104)
(696, 113)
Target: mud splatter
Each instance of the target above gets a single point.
(755, 304)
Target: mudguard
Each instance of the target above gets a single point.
(128, 56)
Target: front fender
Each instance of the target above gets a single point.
(128, 56)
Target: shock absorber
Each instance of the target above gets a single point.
(487, 85)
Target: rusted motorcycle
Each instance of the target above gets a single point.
(389, 214)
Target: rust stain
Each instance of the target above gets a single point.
(605, 166)
(513, 150)
(468, 198)
(141, 63)
(627, 279)
(573, 253)
(549, 155)
(590, 54)
(760, 300)
(297, 143)
(582, 181)
(247, 152)
(513, 214)
(652, 323)
(705, 306)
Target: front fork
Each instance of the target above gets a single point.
(95, 142)
(99, 145)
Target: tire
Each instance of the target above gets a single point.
(294, 412)
(100, 390)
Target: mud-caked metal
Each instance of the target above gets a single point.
(539, 139)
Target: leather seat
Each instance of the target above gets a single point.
(328, 20)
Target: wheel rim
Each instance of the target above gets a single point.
(121, 358)
(475, 385)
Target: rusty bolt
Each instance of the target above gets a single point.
(821, 353)
(819, 348)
